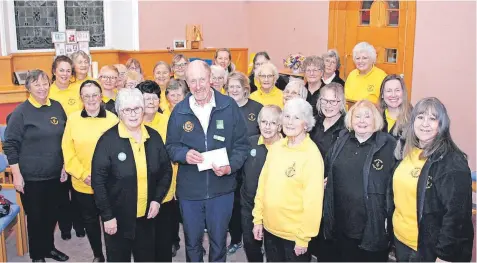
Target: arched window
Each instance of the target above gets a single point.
(365, 12)
(393, 13)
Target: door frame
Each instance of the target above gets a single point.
(337, 30)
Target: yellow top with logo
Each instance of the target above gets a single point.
(159, 123)
(139, 153)
(274, 97)
(78, 144)
(389, 120)
(405, 181)
(289, 197)
(359, 87)
(69, 98)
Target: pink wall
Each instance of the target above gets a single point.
(224, 23)
(282, 28)
(278, 27)
(444, 65)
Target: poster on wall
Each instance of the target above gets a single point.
(58, 37)
(82, 36)
(60, 49)
(70, 36)
(71, 48)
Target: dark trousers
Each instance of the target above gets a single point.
(40, 202)
(164, 231)
(405, 253)
(348, 250)
(119, 248)
(235, 225)
(176, 220)
(281, 250)
(213, 214)
(252, 247)
(323, 250)
(90, 219)
(69, 215)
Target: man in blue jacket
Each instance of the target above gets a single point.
(206, 120)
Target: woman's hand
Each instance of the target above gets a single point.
(153, 209)
(300, 250)
(111, 227)
(18, 182)
(258, 232)
(64, 175)
(88, 180)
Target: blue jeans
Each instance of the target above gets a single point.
(213, 214)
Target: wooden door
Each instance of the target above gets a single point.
(387, 25)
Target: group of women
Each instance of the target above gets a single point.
(321, 179)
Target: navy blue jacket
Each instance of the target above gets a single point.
(185, 133)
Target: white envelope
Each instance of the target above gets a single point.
(218, 157)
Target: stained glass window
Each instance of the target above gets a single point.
(86, 16)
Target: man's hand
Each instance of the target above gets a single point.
(194, 157)
(153, 209)
(18, 182)
(111, 226)
(258, 232)
(222, 170)
(88, 180)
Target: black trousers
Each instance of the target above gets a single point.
(176, 220)
(281, 250)
(235, 224)
(70, 214)
(40, 201)
(349, 251)
(119, 248)
(405, 253)
(252, 247)
(323, 250)
(90, 219)
(164, 231)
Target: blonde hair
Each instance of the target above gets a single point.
(161, 63)
(339, 94)
(133, 75)
(177, 58)
(108, 68)
(242, 78)
(378, 118)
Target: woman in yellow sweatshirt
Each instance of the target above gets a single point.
(289, 199)
(82, 132)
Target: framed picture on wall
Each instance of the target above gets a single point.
(60, 49)
(71, 48)
(70, 36)
(58, 37)
(179, 44)
(82, 36)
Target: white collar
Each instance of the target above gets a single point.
(330, 79)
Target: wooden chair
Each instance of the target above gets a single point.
(16, 219)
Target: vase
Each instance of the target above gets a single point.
(296, 71)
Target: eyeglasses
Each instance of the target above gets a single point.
(288, 92)
(181, 65)
(91, 97)
(129, 111)
(268, 123)
(266, 76)
(217, 79)
(331, 102)
(310, 71)
(110, 78)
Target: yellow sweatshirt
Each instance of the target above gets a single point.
(274, 97)
(79, 141)
(289, 198)
(69, 98)
(159, 123)
(360, 87)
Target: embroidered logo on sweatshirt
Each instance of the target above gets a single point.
(290, 172)
(378, 164)
(252, 117)
(54, 120)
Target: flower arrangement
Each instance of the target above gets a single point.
(294, 62)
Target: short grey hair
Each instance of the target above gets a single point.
(313, 61)
(268, 65)
(176, 84)
(333, 53)
(366, 48)
(128, 97)
(304, 110)
(220, 70)
(33, 76)
(80, 53)
(272, 108)
(339, 94)
(302, 92)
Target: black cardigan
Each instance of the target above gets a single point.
(115, 182)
